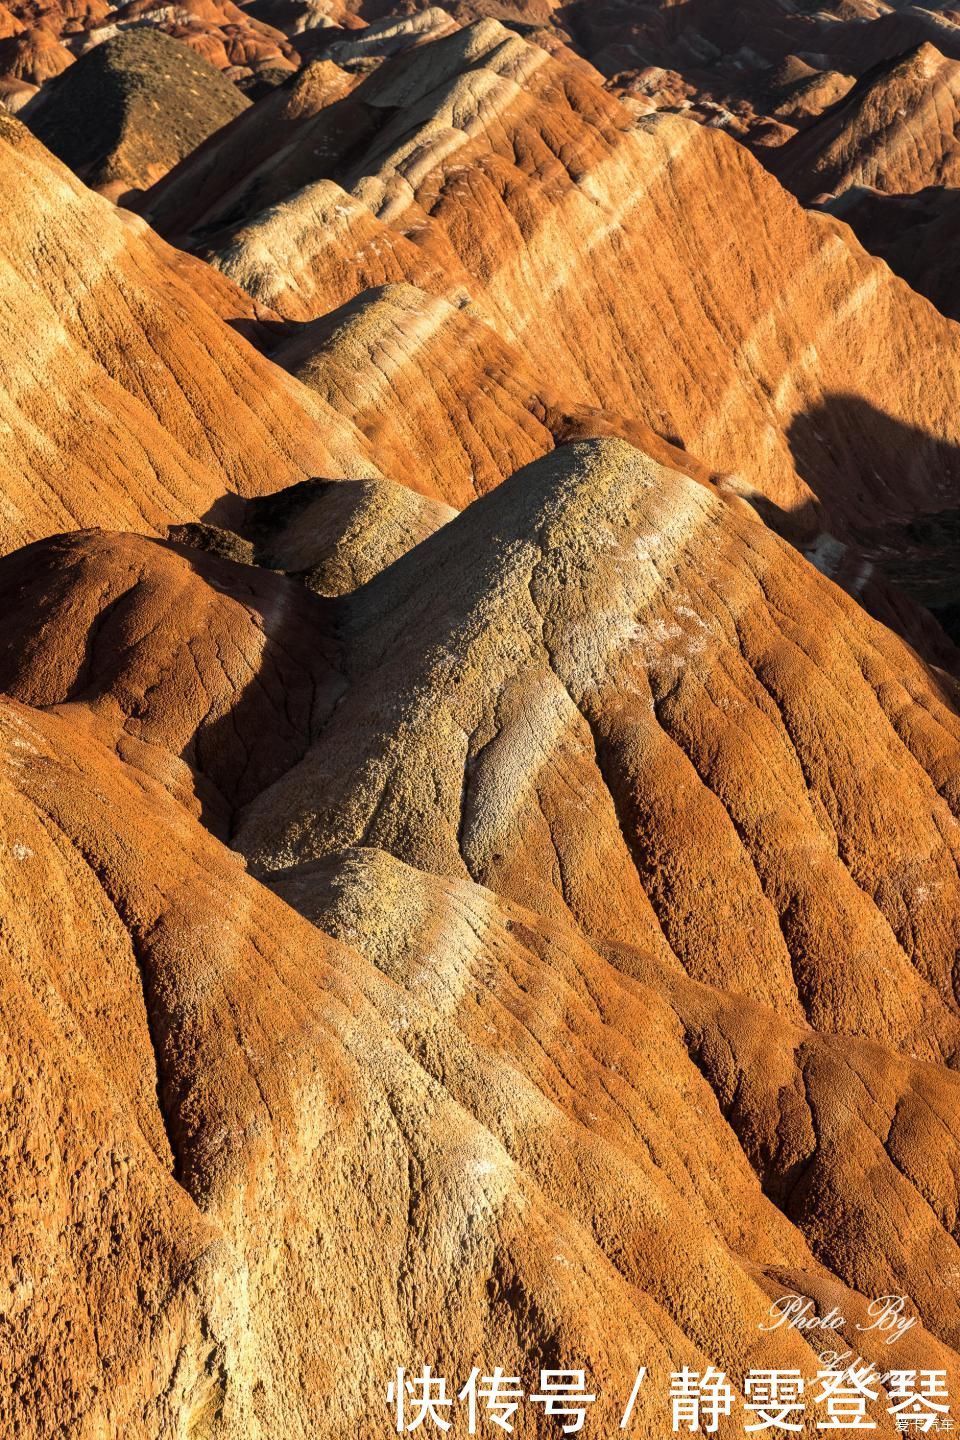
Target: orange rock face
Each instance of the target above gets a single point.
(895, 132)
(33, 56)
(118, 340)
(480, 167)
(460, 1026)
(480, 727)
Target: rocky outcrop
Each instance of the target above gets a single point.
(472, 893)
(33, 56)
(675, 791)
(213, 1097)
(51, 33)
(898, 131)
(603, 695)
(132, 402)
(587, 592)
(335, 535)
(131, 109)
(478, 167)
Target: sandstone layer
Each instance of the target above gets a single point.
(479, 168)
(133, 401)
(479, 727)
(573, 846)
(896, 132)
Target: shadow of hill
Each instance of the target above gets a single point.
(886, 513)
(915, 234)
(176, 650)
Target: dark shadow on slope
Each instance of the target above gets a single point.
(915, 234)
(277, 713)
(235, 671)
(887, 514)
(873, 585)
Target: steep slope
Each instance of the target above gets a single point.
(611, 695)
(601, 691)
(335, 535)
(175, 1163)
(15, 95)
(128, 401)
(721, 64)
(33, 55)
(619, 698)
(895, 31)
(212, 678)
(381, 39)
(471, 893)
(263, 1140)
(799, 93)
(898, 131)
(131, 109)
(813, 1112)
(117, 304)
(448, 407)
(759, 340)
(224, 33)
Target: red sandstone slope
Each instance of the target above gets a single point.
(449, 407)
(284, 1130)
(204, 675)
(651, 269)
(601, 691)
(897, 131)
(129, 401)
(196, 413)
(538, 945)
(610, 714)
(33, 55)
(724, 64)
(257, 1149)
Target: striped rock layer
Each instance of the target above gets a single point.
(650, 269)
(472, 892)
(579, 1002)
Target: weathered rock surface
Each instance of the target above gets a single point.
(131, 109)
(223, 33)
(898, 131)
(450, 407)
(594, 715)
(131, 401)
(335, 535)
(470, 891)
(597, 705)
(16, 94)
(246, 1140)
(800, 93)
(33, 56)
(611, 697)
(478, 166)
(210, 676)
